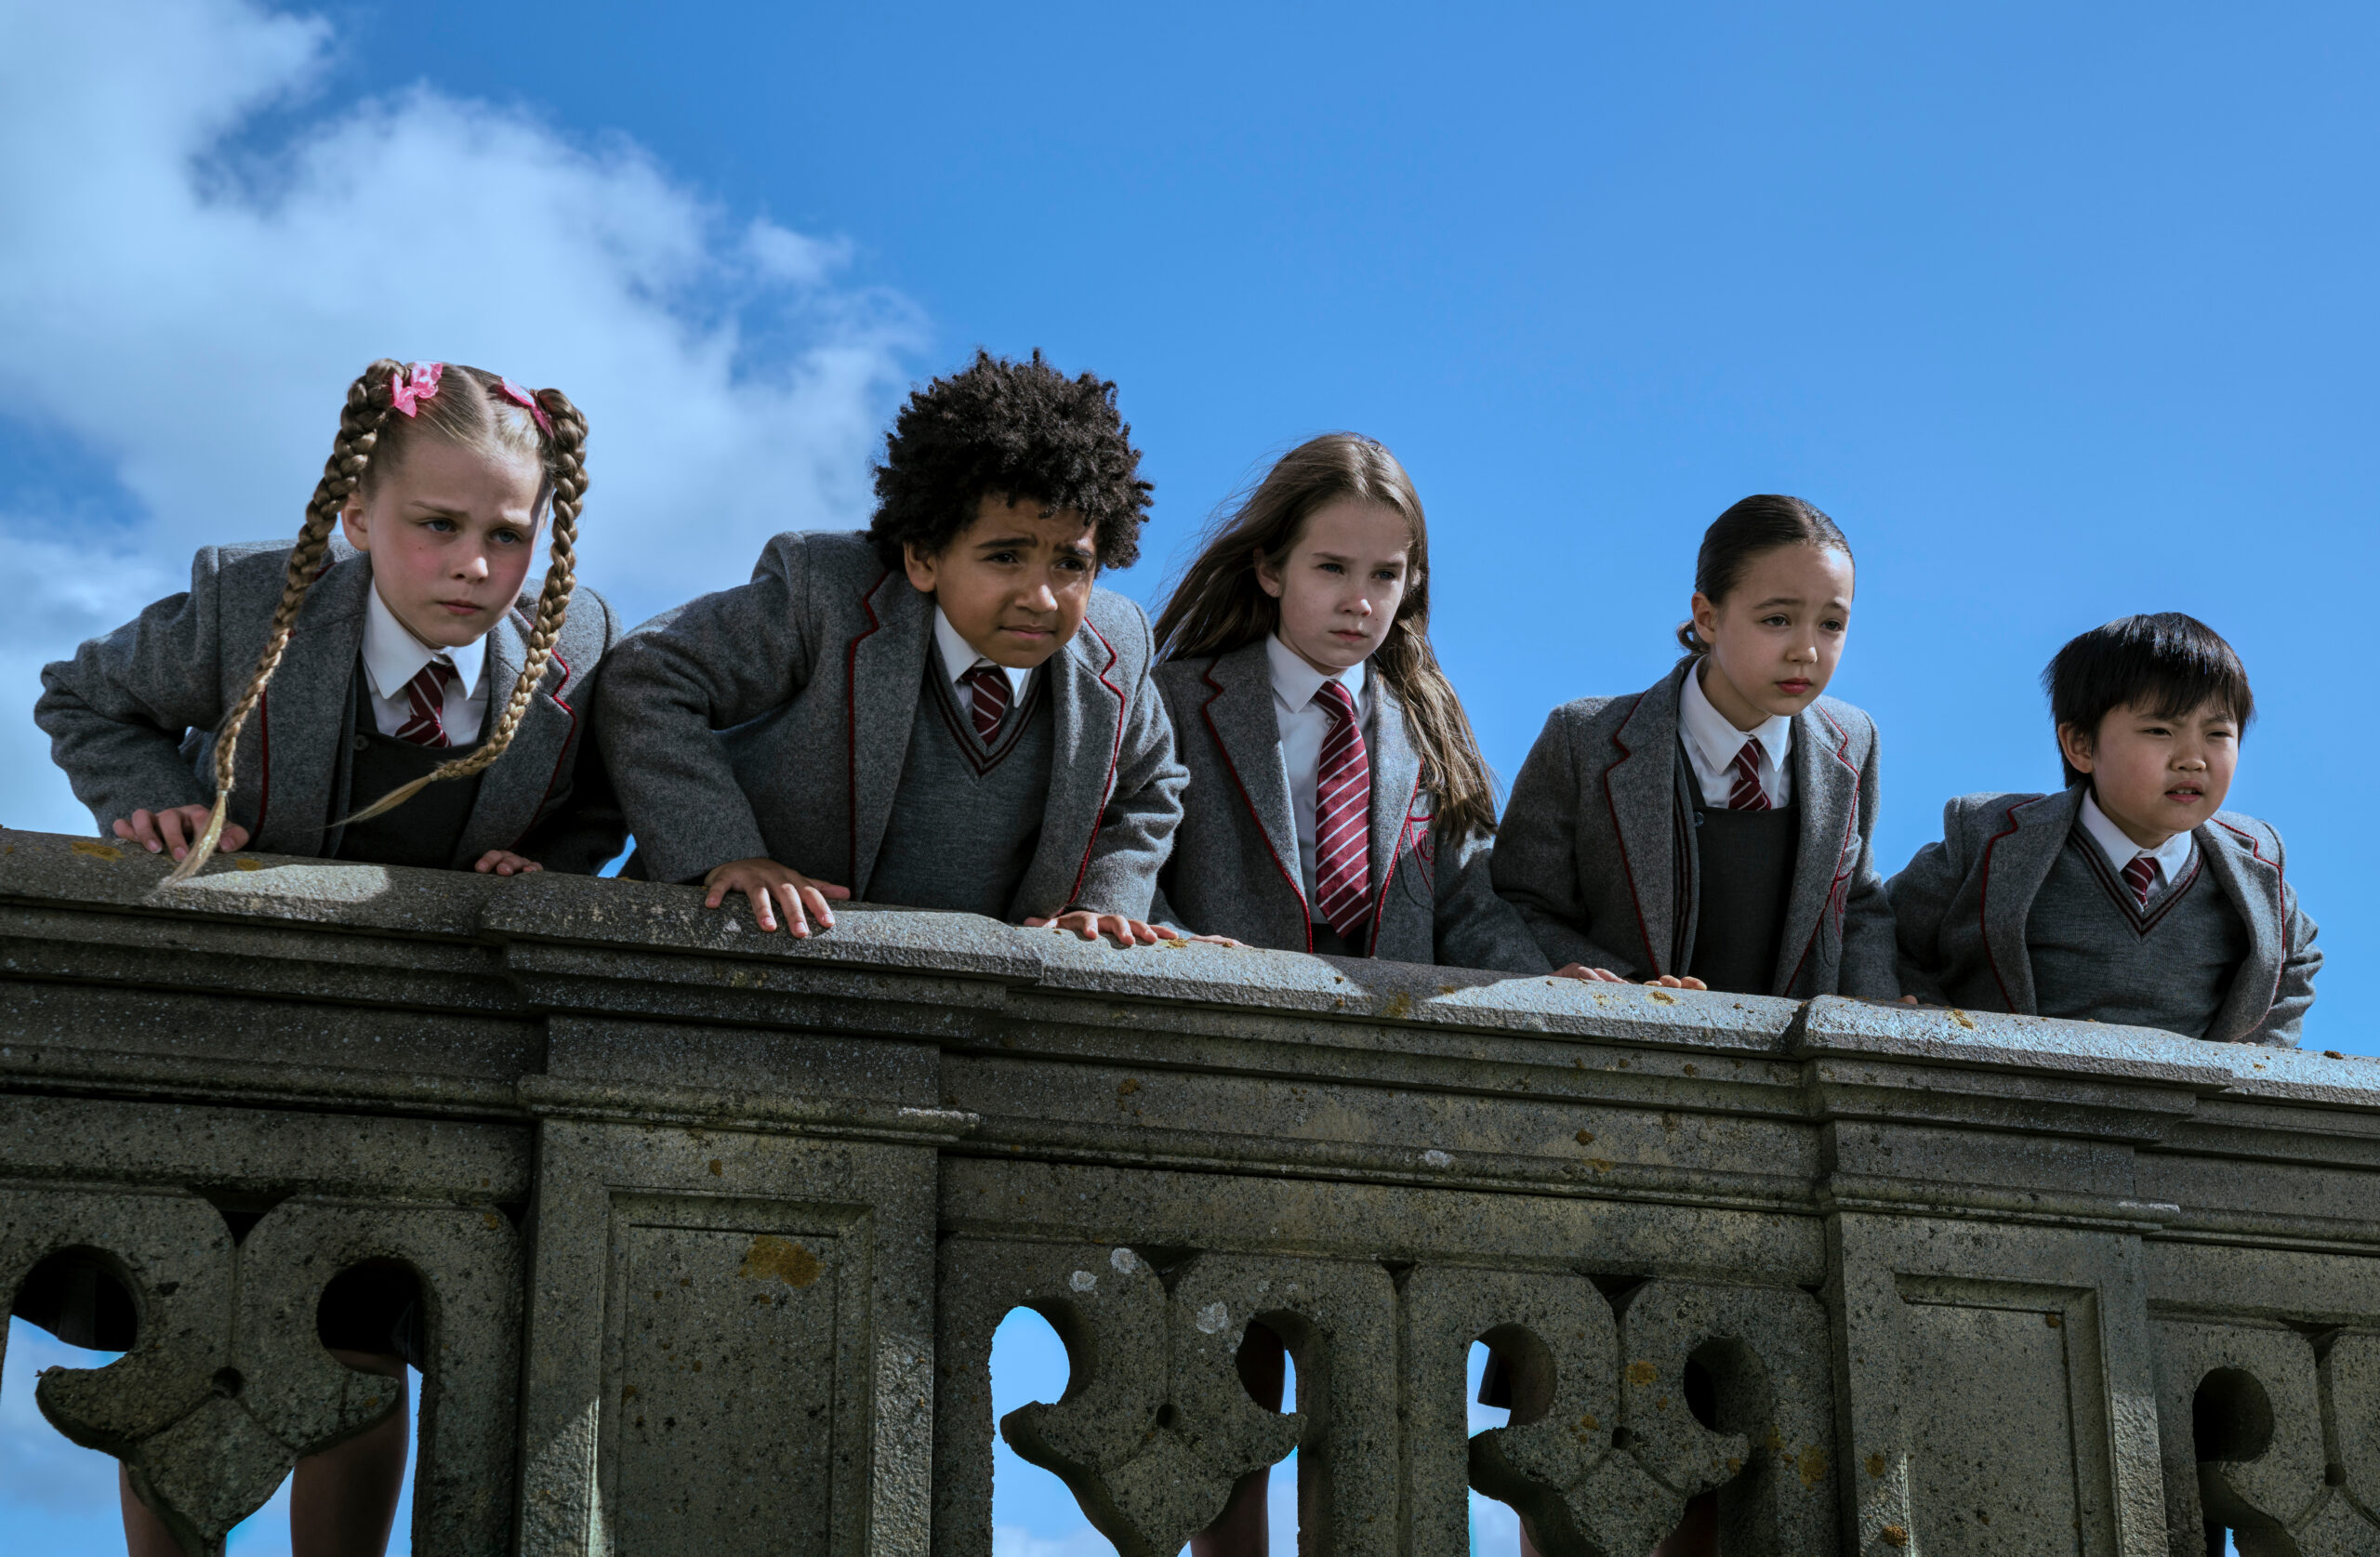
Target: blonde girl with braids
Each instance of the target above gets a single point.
(1338, 801)
(349, 697)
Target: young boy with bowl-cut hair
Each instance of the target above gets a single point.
(942, 711)
(2130, 896)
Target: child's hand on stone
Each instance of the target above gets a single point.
(503, 861)
(1091, 926)
(772, 889)
(177, 828)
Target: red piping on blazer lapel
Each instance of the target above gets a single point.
(1380, 903)
(1620, 836)
(1207, 712)
(851, 726)
(2280, 909)
(1115, 751)
(1983, 900)
(1837, 894)
(555, 777)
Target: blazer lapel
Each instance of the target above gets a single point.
(2254, 888)
(1087, 728)
(1396, 776)
(514, 786)
(1641, 787)
(295, 759)
(887, 667)
(1825, 794)
(2015, 862)
(1248, 734)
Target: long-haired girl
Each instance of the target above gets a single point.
(355, 706)
(1338, 801)
(1714, 830)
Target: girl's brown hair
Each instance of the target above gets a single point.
(1759, 525)
(1218, 605)
(475, 409)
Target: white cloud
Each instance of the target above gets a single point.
(187, 307)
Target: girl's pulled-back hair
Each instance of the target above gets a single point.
(1218, 605)
(1759, 523)
(388, 407)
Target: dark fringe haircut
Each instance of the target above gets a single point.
(1758, 524)
(2164, 662)
(1217, 605)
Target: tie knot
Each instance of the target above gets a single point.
(1335, 696)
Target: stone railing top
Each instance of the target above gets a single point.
(638, 929)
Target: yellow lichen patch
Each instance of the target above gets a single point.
(96, 850)
(1399, 1005)
(1126, 1087)
(1691, 1070)
(1876, 1465)
(1174, 943)
(1963, 1019)
(1895, 1535)
(494, 1222)
(1776, 1442)
(247, 865)
(1641, 1373)
(1446, 989)
(718, 1168)
(1733, 1465)
(1662, 996)
(1586, 1138)
(781, 1258)
(1811, 1467)
(1601, 1164)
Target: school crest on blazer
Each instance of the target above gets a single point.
(1597, 848)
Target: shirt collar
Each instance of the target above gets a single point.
(1295, 682)
(1716, 737)
(959, 656)
(392, 655)
(2170, 855)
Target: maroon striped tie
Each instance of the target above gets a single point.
(1748, 794)
(2140, 874)
(426, 694)
(1343, 809)
(987, 692)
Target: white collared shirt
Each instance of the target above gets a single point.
(1305, 723)
(2172, 856)
(1712, 741)
(958, 657)
(393, 656)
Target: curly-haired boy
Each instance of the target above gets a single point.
(942, 711)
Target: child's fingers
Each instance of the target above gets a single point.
(764, 913)
(828, 889)
(169, 823)
(235, 838)
(814, 896)
(788, 896)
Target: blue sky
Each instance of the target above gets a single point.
(2063, 312)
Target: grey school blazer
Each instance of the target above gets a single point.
(771, 720)
(1962, 906)
(1234, 869)
(1596, 850)
(132, 716)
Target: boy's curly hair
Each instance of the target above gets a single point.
(1023, 430)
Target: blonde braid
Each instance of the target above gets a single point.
(566, 462)
(359, 432)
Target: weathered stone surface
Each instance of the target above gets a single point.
(714, 1229)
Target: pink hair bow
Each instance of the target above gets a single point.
(413, 385)
(520, 396)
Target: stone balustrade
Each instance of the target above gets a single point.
(714, 1228)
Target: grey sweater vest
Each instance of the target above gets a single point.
(967, 818)
(2100, 955)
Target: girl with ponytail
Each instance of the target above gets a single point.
(1713, 831)
(349, 697)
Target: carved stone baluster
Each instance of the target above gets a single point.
(167, 1408)
(2349, 1374)
(1339, 1319)
(469, 1262)
(1556, 1334)
(1766, 1349)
